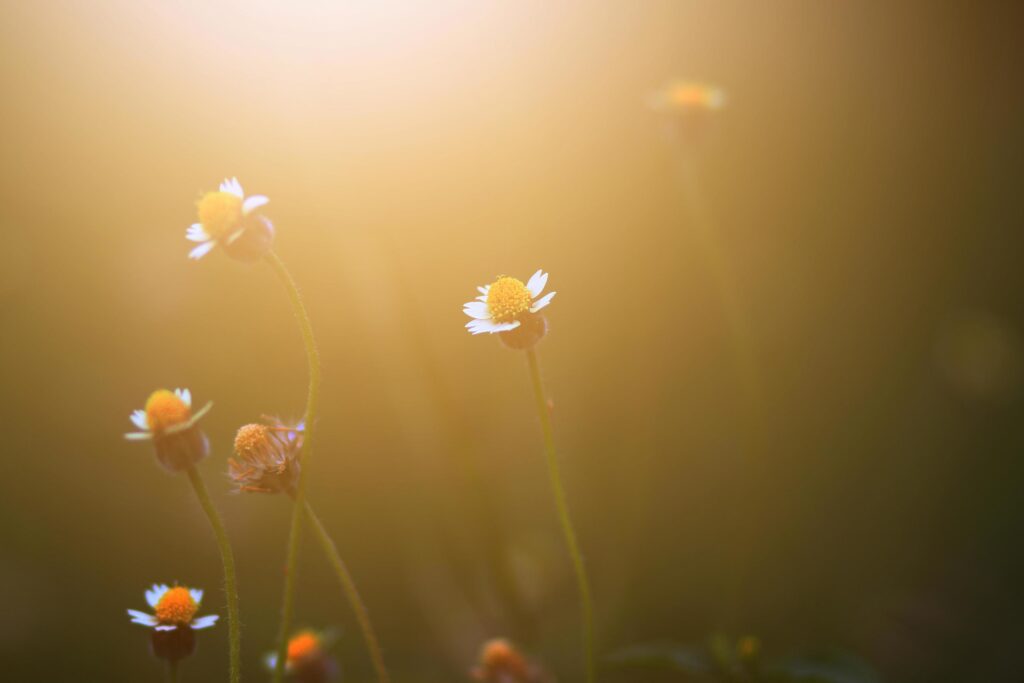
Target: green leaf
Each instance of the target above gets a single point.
(664, 655)
(827, 667)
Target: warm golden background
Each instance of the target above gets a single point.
(864, 184)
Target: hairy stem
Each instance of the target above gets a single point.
(230, 581)
(586, 606)
(348, 585)
(313, 358)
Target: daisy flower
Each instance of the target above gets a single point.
(167, 420)
(174, 608)
(308, 660)
(227, 217)
(266, 457)
(506, 305)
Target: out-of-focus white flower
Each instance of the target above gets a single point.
(223, 219)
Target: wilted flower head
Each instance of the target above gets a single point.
(510, 308)
(174, 620)
(308, 660)
(501, 662)
(227, 217)
(266, 457)
(167, 420)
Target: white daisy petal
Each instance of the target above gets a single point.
(138, 436)
(477, 309)
(537, 282)
(154, 594)
(270, 661)
(138, 419)
(142, 618)
(489, 326)
(185, 395)
(252, 203)
(232, 186)
(197, 594)
(196, 233)
(205, 622)
(234, 236)
(164, 627)
(483, 290)
(201, 251)
(542, 302)
(482, 297)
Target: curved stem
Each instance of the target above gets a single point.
(313, 358)
(230, 581)
(586, 606)
(348, 585)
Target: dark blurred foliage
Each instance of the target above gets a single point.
(862, 187)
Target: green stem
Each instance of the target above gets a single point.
(348, 585)
(312, 400)
(172, 672)
(586, 606)
(230, 581)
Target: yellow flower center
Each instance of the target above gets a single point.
(219, 213)
(250, 438)
(507, 299)
(303, 645)
(176, 607)
(165, 409)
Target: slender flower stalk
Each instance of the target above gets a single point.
(511, 309)
(168, 422)
(586, 605)
(230, 581)
(349, 587)
(312, 401)
(172, 672)
(267, 461)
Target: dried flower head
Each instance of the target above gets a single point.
(167, 420)
(501, 662)
(509, 307)
(229, 218)
(308, 660)
(266, 457)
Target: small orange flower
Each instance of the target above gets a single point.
(167, 420)
(683, 97)
(308, 660)
(501, 662)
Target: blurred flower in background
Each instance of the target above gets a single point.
(501, 662)
(308, 659)
(227, 217)
(689, 108)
